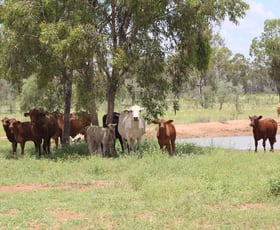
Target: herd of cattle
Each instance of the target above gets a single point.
(128, 127)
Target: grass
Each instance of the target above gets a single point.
(201, 188)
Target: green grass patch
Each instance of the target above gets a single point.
(197, 189)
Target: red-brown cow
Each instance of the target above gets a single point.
(22, 132)
(263, 129)
(78, 122)
(44, 127)
(6, 124)
(166, 135)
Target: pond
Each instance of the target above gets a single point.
(233, 142)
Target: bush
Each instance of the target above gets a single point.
(275, 186)
(190, 148)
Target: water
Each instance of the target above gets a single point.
(233, 142)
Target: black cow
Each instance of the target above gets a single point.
(115, 121)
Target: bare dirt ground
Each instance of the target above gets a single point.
(211, 129)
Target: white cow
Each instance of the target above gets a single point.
(131, 127)
(101, 139)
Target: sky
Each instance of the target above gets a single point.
(238, 38)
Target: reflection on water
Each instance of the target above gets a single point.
(234, 142)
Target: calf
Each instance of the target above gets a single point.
(115, 121)
(6, 126)
(166, 135)
(263, 129)
(23, 133)
(101, 139)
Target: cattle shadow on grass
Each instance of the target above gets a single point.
(70, 152)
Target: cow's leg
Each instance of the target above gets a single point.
(173, 147)
(104, 149)
(39, 143)
(121, 142)
(168, 148)
(14, 147)
(90, 146)
(36, 146)
(264, 140)
(125, 145)
(271, 141)
(22, 145)
(256, 145)
(56, 142)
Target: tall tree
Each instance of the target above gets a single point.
(49, 38)
(266, 50)
(122, 39)
(142, 33)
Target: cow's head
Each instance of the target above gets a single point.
(35, 115)
(135, 110)
(6, 121)
(254, 120)
(12, 125)
(162, 123)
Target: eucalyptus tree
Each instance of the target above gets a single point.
(266, 50)
(50, 38)
(141, 35)
(119, 40)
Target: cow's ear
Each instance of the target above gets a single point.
(26, 114)
(169, 121)
(155, 121)
(260, 117)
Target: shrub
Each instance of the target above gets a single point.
(275, 186)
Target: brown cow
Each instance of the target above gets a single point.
(166, 135)
(101, 139)
(6, 125)
(44, 127)
(78, 122)
(22, 132)
(263, 129)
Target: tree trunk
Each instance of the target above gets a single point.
(67, 87)
(111, 94)
(93, 112)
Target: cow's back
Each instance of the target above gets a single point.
(270, 126)
(23, 131)
(52, 126)
(171, 131)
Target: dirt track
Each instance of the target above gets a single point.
(210, 129)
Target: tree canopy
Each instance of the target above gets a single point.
(111, 43)
(266, 50)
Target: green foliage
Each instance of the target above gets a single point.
(49, 98)
(274, 186)
(120, 39)
(265, 49)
